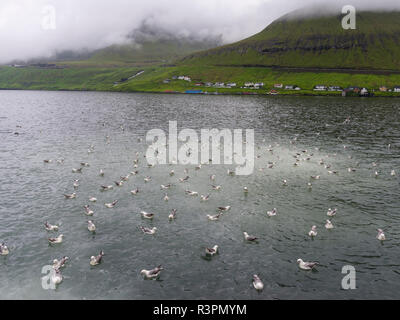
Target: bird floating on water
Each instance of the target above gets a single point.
(56, 240)
(328, 224)
(166, 198)
(245, 190)
(88, 211)
(77, 170)
(172, 215)
(257, 283)
(101, 173)
(135, 191)
(331, 212)
(227, 208)
(171, 173)
(306, 265)
(76, 184)
(147, 179)
(393, 173)
(70, 196)
(57, 264)
(381, 236)
(205, 198)
(212, 251)
(315, 177)
(95, 260)
(119, 183)
(192, 193)
(91, 226)
(313, 232)
(249, 237)
(168, 186)
(85, 164)
(4, 249)
(217, 188)
(92, 199)
(272, 213)
(57, 277)
(184, 179)
(106, 188)
(152, 274)
(112, 204)
(50, 227)
(148, 230)
(214, 217)
(147, 215)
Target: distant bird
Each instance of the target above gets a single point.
(313, 232)
(393, 173)
(70, 196)
(85, 164)
(309, 185)
(284, 182)
(381, 235)
(4, 249)
(134, 173)
(77, 170)
(147, 215)
(119, 183)
(331, 213)
(245, 190)
(376, 174)
(111, 205)
(214, 218)
(227, 208)
(272, 213)
(212, 251)
(249, 237)
(50, 227)
(216, 187)
(92, 199)
(152, 274)
(76, 184)
(231, 172)
(135, 191)
(106, 188)
(147, 179)
(47, 161)
(257, 283)
(166, 198)
(125, 178)
(56, 240)
(306, 265)
(57, 277)
(57, 264)
(172, 215)
(328, 224)
(198, 167)
(351, 170)
(315, 177)
(171, 173)
(91, 226)
(148, 230)
(101, 173)
(205, 198)
(95, 260)
(184, 179)
(88, 211)
(164, 187)
(192, 193)
(212, 177)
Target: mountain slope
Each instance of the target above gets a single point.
(296, 40)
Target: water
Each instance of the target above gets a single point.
(64, 124)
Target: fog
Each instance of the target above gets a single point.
(41, 28)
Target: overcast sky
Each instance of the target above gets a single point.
(38, 28)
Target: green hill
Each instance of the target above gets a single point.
(298, 40)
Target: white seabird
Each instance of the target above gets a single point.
(331, 213)
(77, 170)
(88, 211)
(392, 173)
(249, 237)
(381, 235)
(70, 196)
(227, 208)
(57, 264)
(257, 283)
(147, 215)
(192, 193)
(216, 187)
(92, 199)
(171, 173)
(4, 250)
(147, 179)
(215, 217)
(135, 191)
(172, 215)
(166, 198)
(91, 226)
(148, 230)
(50, 227)
(95, 260)
(306, 265)
(164, 187)
(101, 173)
(313, 232)
(76, 184)
(328, 224)
(56, 240)
(57, 277)
(245, 190)
(212, 251)
(272, 213)
(106, 188)
(184, 179)
(119, 183)
(152, 274)
(205, 198)
(112, 204)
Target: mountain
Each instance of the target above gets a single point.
(301, 40)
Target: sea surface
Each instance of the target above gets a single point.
(35, 126)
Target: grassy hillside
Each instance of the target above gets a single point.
(296, 41)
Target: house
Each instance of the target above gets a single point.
(289, 87)
(278, 85)
(181, 78)
(383, 89)
(187, 78)
(396, 89)
(219, 84)
(334, 88)
(320, 88)
(273, 92)
(249, 84)
(297, 88)
(199, 84)
(364, 92)
(208, 84)
(259, 84)
(232, 84)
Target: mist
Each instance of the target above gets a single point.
(42, 28)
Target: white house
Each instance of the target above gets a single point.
(320, 88)
(396, 89)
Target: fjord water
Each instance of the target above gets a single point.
(58, 125)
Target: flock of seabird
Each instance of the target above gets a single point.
(209, 251)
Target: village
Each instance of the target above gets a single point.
(278, 87)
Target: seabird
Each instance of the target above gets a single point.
(70, 196)
(135, 191)
(212, 251)
(215, 217)
(50, 227)
(58, 239)
(212, 177)
(147, 179)
(147, 215)
(205, 198)
(172, 172)
(231, 172)
(166, 198)
(313, 232)
(92, 199)
(76, 184)
(91, 227)
(4, 249)
(198, 167)
(306, 265)
(134, 173)
(57, 277)
(184, 179)
(216, 187)
(94, 261)
(57, 264)
(47, 161)
(331, 212)
(152, 274)
(192, 193)
(166, 186)
(224, 208)
(101, 173)
(112, 204)
(328, 224)
(381, 235)
(284, 182)
(119, 183)
(85, 164)
(172, 215)
(249, 237)
(272, 213)
(245, 190)
(393, 173)
(125, 178)
(148, 230)
(257, 283)
(315, 177)
(88, 211)
(106, 188)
